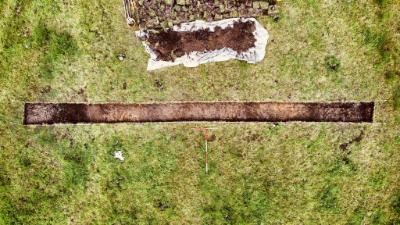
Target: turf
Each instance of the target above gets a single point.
(67, 51)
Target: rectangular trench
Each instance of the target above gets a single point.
(71, 113)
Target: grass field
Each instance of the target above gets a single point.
(296, 173)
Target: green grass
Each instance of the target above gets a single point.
(55, 45)
(66, 51)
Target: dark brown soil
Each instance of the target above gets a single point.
(43, 113)
(170, 44)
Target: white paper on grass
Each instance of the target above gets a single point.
(193, 59)
(118, 155)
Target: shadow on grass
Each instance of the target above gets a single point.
(55, 44)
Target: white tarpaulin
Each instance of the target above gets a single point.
(193, 59)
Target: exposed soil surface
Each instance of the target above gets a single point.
(42, 113)
(170, 44)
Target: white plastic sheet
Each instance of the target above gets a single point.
(253, 55)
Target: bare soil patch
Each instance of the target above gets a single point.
(171, 44)
(47, 113)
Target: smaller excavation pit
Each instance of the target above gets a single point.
(195, 43)
(169, 45)
(64, 113)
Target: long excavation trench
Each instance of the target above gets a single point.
(49, 113)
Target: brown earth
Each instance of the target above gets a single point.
(170, 44)
(43, 113)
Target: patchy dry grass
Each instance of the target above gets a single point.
(295, 173)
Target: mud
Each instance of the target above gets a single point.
(171, 44)
(44, 113)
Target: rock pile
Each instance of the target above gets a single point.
(163, 14)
